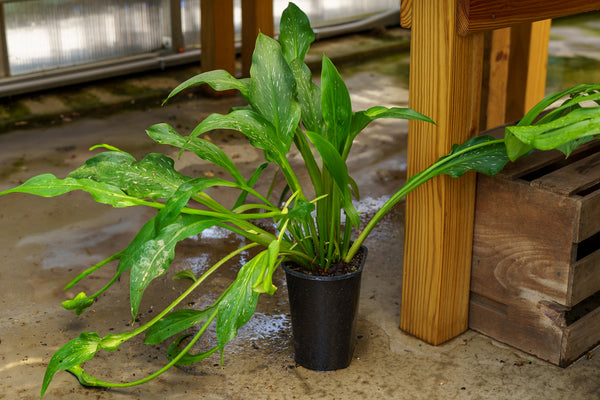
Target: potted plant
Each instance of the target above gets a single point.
(284, 108)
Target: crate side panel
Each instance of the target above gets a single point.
(522, 241)
(523, 326)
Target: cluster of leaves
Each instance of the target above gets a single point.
(284, 107)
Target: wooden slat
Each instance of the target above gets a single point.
(581, 336)
(523, 241)
(528, 64)
(575, 177)
(257, 16)
(483, 15)
(590, 216)
(586, 278)
(445, 82)
(217, 35)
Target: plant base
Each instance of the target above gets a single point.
(324, 311)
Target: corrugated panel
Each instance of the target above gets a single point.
(44, 35)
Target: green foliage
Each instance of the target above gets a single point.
(284, 108)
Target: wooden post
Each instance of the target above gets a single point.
(445, 84)
(177, 42)
(257, 16)
(217, 35)
(4, 64)
(527, 67)
(496, 61)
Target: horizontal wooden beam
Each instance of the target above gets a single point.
(484, 15)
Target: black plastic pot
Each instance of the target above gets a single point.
(324, 311)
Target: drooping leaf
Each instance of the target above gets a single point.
(296, 34)
(165, 134)
(151, 258)
(47, 185)
(239, 302)
(174, 323)
(271, 90)
(569, 128)
(75, 352)
(153, 177)
(480, 153)
(187, 359)
(219, 80)
(335, 105)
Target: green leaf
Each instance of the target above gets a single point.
(153, 177)
(361, 119)
(239, 302)
(47, 185)
(185, 274)
(338, 170)
(219, 80)
(71, 354)
(251, 182)
(567, 130)
(302, 210)
(308, 96)
(296, 34)
(335, 105)
(271, 90)
(187, 359)
(480, 153)
(257, 129)
(165, 134)
(151, 258)
(536, 110)
(174, 323)
(181, 198)
(79, 303)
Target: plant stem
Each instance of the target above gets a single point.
(89, 380)
(415, 181)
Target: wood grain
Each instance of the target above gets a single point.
(217, 35)
(445, 82)
(257, 16)
(528, 64)
(536, 254)
(406, 13)
(483, 15)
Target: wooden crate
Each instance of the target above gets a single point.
(536, 254)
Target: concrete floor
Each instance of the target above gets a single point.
(45, 242)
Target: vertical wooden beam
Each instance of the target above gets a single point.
(257, 16)
(4, 64)
(177, 42)
(527, 67)
(445, 84)
(217, 35)
(496, 61)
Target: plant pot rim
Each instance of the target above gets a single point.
(303, 275)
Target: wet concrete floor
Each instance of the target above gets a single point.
(44, 243)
